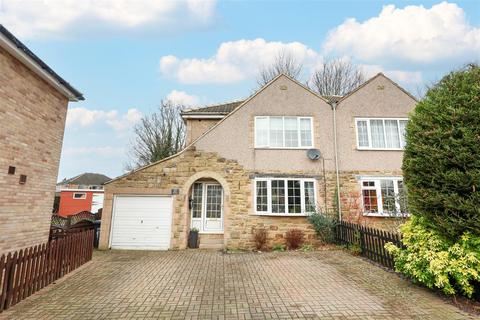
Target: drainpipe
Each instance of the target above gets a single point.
(339, 205)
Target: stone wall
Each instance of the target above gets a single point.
(32, 121)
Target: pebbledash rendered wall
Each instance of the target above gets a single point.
(32, 121)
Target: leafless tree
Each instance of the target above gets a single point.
(284, 63)
(336, 77)
(157, 136)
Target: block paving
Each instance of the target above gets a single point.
(203, 284)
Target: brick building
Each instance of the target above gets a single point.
(33, 108)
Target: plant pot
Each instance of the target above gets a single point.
(193, 239)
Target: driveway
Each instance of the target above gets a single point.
(211, 285)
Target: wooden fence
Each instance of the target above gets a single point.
(371, 242)
(26, 271)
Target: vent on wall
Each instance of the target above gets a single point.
(23, 179)
(11, 170)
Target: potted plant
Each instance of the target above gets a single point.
(193, 238)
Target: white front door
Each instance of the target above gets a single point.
(207, 207)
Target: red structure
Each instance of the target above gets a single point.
(75, 201)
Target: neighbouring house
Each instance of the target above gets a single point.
(81, 193)
(267, 162)
(33, 107)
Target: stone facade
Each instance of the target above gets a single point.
(32, 121)
(180, 173)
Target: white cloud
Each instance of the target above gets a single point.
(234, 61)
(29, 18)
(182, 98)
(105, 151)
(401, 76)
(82, 117)
(414, 34)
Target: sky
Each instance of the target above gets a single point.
(127, 56)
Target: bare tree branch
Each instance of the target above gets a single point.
(336, 77)
(284, 63)
(157, 136)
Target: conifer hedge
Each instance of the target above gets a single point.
(441, 163)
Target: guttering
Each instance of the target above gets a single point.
(17, 49)
(202, 116)
(339, 203)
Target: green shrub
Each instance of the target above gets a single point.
(307, 248)
(324, 226)
(433, 260)
(441, 163)
(279, 247)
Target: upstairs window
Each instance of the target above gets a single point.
(283, 132)
(381, 134)
(79, 195)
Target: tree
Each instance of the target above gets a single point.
(284, 63)
(441, 163)
(336, 77)
(158, 135)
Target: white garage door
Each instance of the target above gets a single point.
(141, 223)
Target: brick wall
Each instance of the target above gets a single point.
(32, 121)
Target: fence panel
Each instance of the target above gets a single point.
(371, 241)
(26, 271)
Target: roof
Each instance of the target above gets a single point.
(88, 179)
(220, 109)
(27, 57)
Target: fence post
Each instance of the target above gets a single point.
(362, 240)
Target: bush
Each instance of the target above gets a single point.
(441, 163)
(435, 261)
(307, 248)
(279, 247)
(260, 238)
(324, 226)
(294, 238)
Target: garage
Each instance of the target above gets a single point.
(141, 223)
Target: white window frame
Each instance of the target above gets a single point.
(267, 146)
(401, 140)
(269, 196)
(84, 195)
(378, 190)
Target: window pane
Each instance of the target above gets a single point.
(214, 202)
(276, 132)
(362, 133)
(370, 201)
(309, 196)
(294, 197)
(291, 132)
(278, 196)
(378, 139)
(262, 200)
(391, 131)
(197, 200)
(403, 124)
(261, 127)
(306, 132)
(388, 196)
(402, 197)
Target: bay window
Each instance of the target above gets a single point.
(381, 134)
(383, 196)
(279, 196)
(283, 132)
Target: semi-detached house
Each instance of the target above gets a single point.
(250, 164)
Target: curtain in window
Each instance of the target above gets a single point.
(391, 131)
(306, 132)
(378, 138)
(261, 127)
(291, 132)
(403, 125)
(276, 132)
(309, 196)
(362, 133)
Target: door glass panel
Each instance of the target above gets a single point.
(388, 195)
(309, 197)
(197, 194)
(214, 202)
